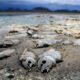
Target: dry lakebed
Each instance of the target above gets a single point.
(62, 36)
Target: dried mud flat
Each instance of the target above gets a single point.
(21, 37)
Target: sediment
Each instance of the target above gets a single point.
(18, 38)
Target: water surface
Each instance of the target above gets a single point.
(31, 19)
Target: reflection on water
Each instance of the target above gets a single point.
(31, 19)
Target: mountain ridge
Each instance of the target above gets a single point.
(51, 7)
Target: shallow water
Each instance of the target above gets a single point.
(30, 19)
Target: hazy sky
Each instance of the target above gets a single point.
(29, 4)
(75, 2)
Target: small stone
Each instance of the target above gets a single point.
(29, 32)
(46, 42)
(51, 16)
(33, 28)
(13, 31)
(77, 42)
(37, 78)
(15, 41)
(16, 36)
(9, 75)
(77, 36)
(6, 53)
(5, 43)
(67, 42)
(8, 43)
(37, 36)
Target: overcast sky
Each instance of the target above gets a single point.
(30, 4)
(56, 1)
(74, 2)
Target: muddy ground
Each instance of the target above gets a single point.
(69, 69)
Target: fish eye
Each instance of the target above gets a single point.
(43, 61)
(29, 62)
(45, 70)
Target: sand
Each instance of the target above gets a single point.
(69, 69)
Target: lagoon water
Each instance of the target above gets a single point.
(30, 19)
(23, 19)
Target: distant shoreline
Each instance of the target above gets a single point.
(44, 12)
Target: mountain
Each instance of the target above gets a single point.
(63, 6)
(40, 9)
(38, 6)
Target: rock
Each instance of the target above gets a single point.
(5, 43)
(9, 75)
(67, 42)
(77, 42)
(13, 31)
(46, 42)
(37, 36)
(37, 25)
(8, 43)
(38, 16)
(68, 33)
(51, 36)
(6, 53)
(48, 59)
(16, 36)
(30, 32)
(22, 31)
(37, 78)
(28, 59)
(58, 31)
(77, 36)
(15, 41)
(33, 28)
(51, 16)
(18, 29)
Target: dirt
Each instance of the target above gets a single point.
(69, 69)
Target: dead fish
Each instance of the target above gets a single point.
(48, 59)
(28, 59)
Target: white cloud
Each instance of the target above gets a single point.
(55, 1)
(44, 1)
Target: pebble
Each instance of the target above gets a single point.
(15, 41)
(30, 32)
(46, 42)
(16, 36)
(9, 75)
(6, 53)
(77, 42)
(8, 43)
(5, 43)
(37, 36)
(13, 31)
(67, 42)
(37, 78)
